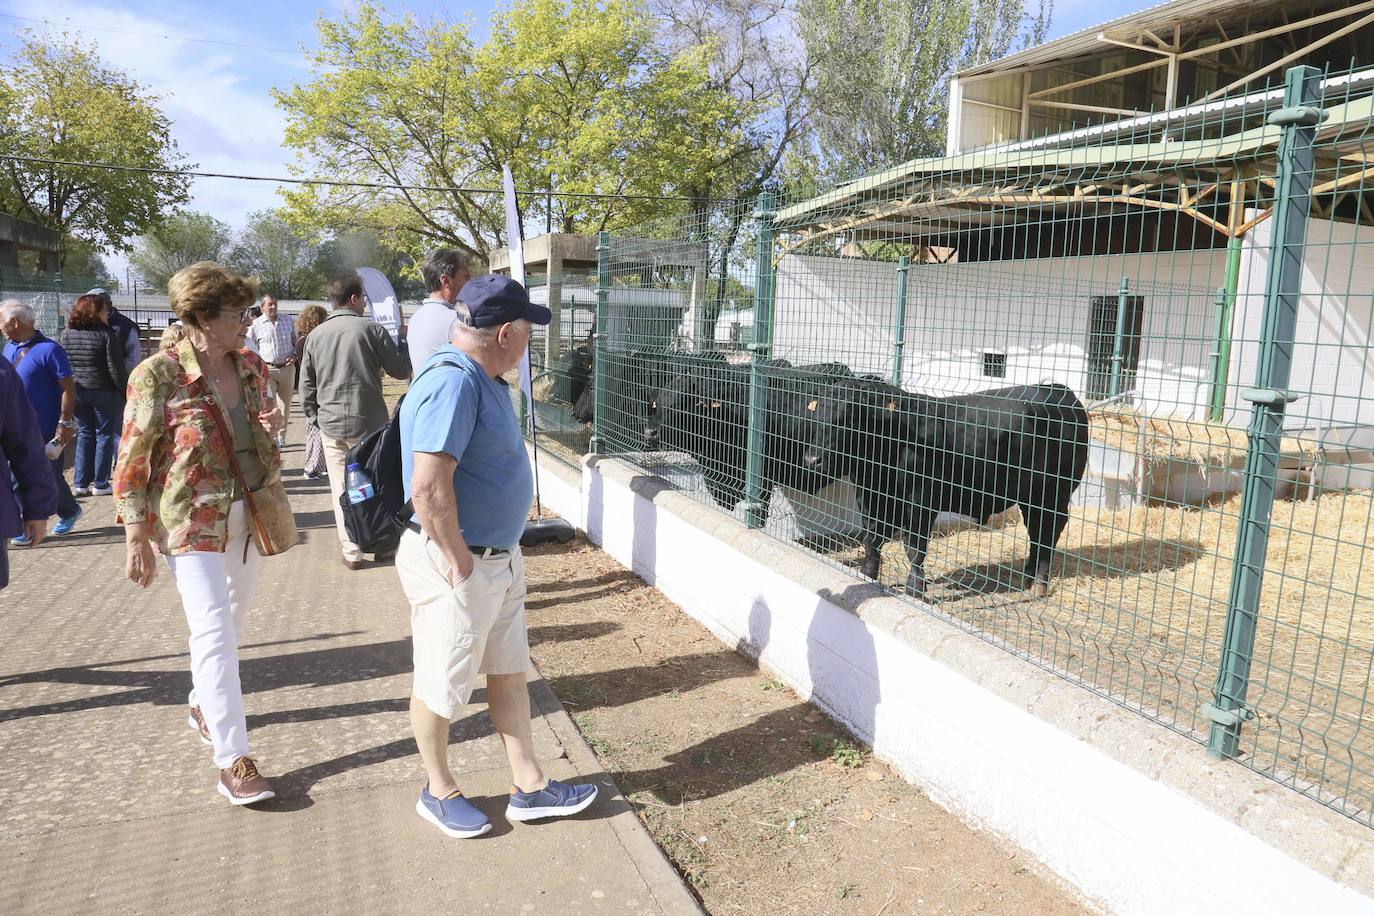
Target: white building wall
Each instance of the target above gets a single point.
(1036, 311)
(1333, 354)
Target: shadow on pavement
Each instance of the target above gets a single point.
(314, 668)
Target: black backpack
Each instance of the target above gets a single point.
(376, 523)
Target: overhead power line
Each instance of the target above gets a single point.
(383, 185)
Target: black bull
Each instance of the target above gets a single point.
(703, 410)
(912, 457)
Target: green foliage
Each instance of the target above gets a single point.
(351, 250)
(573, 95)
(58, 100)
(282, 257)
(881, 94)
(179, 241)
(84, 260)
(842, 752)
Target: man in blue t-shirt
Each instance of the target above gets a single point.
(466, 471)
(47, 379)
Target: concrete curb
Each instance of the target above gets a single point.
(663, 881)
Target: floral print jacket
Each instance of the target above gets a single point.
(174, 469)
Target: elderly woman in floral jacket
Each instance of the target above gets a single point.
(199, 473)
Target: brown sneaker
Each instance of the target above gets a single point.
(197, 722)
(242, 784)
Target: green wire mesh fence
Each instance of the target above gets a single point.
(1105, 399)
(50, 294)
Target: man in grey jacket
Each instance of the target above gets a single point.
(341, 385)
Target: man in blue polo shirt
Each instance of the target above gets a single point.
(47, 379)
(466, 471)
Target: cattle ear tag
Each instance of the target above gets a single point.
(812, 406)
(891, 405)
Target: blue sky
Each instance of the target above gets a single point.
(216, 91)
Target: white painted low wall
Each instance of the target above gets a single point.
(1136, 817)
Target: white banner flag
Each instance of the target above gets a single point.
(515, 244)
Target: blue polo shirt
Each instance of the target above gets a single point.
(41, 363)
(461, 411)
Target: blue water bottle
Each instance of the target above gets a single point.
(359, 485)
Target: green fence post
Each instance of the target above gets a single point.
(755, 508)
(899, 341)
(1118, 339)
(1298, 118)
(1214, 358)
(603, 297)
(1223, 344)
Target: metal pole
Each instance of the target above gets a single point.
(899, 339)
(1215, 356)
(1298, 118)
(1223, 367)
(1118, 340)
(755, 508)
(603, 297)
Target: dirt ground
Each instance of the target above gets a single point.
(761, 802)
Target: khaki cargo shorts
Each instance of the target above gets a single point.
(458, 633)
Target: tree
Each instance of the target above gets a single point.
(84, 261)
(180, 241)
(881, 94)
(363, 248)
(60, 102)
(752, 56)
(279, 255)
(573, 95)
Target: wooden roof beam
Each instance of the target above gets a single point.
(1099, 78)
(1300, 52)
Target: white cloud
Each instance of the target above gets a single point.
(223, 117)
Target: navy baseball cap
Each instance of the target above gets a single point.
(494, 299)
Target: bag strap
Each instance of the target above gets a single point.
(406, 511)
(212, 405)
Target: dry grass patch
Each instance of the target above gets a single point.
(1139, 607)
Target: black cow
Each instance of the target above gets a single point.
(912, 457)
(633, 378)
(572, 374)
(705, 413)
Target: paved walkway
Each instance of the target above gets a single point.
(109, 801)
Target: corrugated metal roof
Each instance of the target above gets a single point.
(1109, 157)
(1084, 42)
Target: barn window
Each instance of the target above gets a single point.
(1102, 331)
(994, 364)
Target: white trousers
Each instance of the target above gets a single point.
(216, 589)
(336, 463)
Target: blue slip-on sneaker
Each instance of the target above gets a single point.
(65, 525)
(22, 541)
(557, 799)
(453, 814)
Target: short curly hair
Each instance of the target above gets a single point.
(200, 292)
(310, 319)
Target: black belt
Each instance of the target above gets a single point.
(477, 550)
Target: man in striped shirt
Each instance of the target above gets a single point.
(275, 336)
